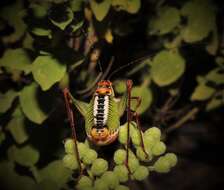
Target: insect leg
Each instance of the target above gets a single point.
(129, 117)
(68, 100)
(136, 116)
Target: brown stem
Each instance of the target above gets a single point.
(183, 120)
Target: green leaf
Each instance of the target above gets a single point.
(11, 180)
(14, 14)
(76, 5)
(2, 136)
(213, 45)
(202, 92)
(47, 71)
(214, 103)
(39, 10)
(64, 82)
(16, 59)
(28, 42)
(133, 6)
(200, 16)
(167, 67)
(120, 86)
(16, 126)
(25, 156)
(168, 18)
(216, 75)
(77, 26)
(48, 184)
(62, 25)
(101, 9)
(6, 100)
(119, 4)
(56, 172)
(30, 104)
(42, 32)
(146, 98)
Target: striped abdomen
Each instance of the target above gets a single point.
(100, 110)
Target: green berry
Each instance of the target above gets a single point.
(122, 137)
(159, 148)
(141, 173)
(121, 187)
(100, 184)
(162, 165)
(122, 173)
(111, 179)
(83, 149)
(135, 134)
(70, 161)
(90, 156)
(84, 183)
(69, 146)
(133, 163)
(172, 159)
(99, 166)
(119, 156)
(153, 132)
(142, 155)
(149, 142)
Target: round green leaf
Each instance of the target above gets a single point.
(62, 25)
(167, 67)
(47, 71)
(2, 136)
(6, 100)
(13, 14)
(214, 103)
(76, 5)
(16, 59)
(100, 10)
(25, 156)
(30, 104)
(56, 172)
(146, 98)
(216, 75)
(202, 92)
(42, 32)
(133, 6)
(167, 20)
(39, 10)
(120, 86)
(17, 129)
(200, 16)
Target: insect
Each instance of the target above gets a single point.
(102, 115)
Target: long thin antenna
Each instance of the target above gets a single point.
(128, 64)
(148, 56)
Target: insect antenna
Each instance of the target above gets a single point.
(129, 64)
(149, 56)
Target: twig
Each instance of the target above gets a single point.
(184, 119)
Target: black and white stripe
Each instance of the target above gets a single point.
(100, 110)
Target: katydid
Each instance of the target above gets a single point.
(102, 115)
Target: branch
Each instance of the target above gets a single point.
(183, 120)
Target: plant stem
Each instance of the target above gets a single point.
(184, 119)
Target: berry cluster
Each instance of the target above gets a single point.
(141, 161)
